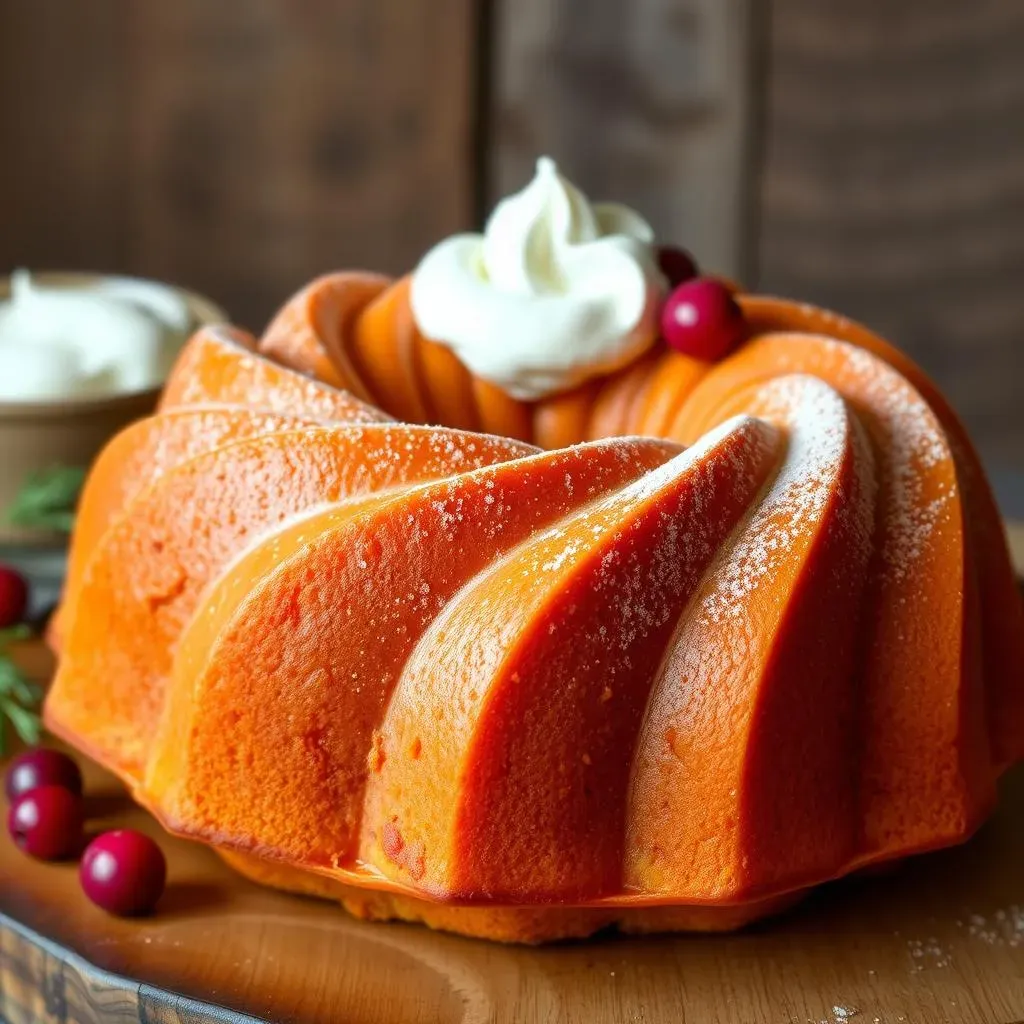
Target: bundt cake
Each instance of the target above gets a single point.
(635, 637)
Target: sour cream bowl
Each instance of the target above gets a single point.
(61, 420)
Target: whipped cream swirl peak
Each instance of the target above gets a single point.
(557, 289)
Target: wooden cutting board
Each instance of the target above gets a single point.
(939, 940)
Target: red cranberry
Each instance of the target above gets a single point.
(42, 767)
(124, 872)
(702, 319)
(677, 265)
(46, 823)
(13, 596)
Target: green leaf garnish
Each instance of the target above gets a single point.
(26, 723)
(47, 499)
(14, 634)
(19, 697)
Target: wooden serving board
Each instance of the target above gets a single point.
(940, 939)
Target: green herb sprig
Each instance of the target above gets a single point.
(47, 499)
(19, 697)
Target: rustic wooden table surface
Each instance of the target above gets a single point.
(939, 940)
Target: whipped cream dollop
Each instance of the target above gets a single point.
(557, 289)
(112, 336)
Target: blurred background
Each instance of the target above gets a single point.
(864, 154)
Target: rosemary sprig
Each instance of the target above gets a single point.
(19, 697)
(47, 499)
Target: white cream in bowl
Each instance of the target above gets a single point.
(110, 336)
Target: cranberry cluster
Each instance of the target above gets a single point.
(701, 317)
(123, 872)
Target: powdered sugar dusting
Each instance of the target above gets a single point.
(642, 583)
(646, 592)
(914, 451)
(928, 953)
(793, 506)
(1002, 927)
(914, 444)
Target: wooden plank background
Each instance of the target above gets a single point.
(647, 103)
(237, 148)
(893, 186)
(858, 153)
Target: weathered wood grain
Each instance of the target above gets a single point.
(63, 136)
(650, 103)
(1015, 531)
(239, 149)
(894, 186)
(41, 983)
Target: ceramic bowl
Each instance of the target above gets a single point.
(39, 436)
